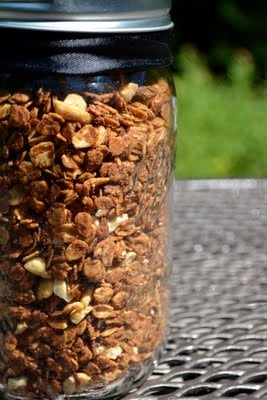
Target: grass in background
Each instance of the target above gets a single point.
(222, 125)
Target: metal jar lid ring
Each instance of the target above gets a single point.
(105, 16)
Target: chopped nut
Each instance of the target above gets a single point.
(45, 289)
(129, 91)
(116, 221)
(129, 257)
(75, 100)
(86, 298)
(37, 266)
(85, 137)
(71, 112)
(14, 384)
(42, 154)
(114, 352)
(77, 384)
(79, 312)
(20, 328)
(82, 379)
(69, 385)
(61, 290)
(102, 133)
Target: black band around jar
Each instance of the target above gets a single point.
(80, 53)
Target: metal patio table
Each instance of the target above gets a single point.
(217, 344)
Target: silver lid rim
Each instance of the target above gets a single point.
(144, 25)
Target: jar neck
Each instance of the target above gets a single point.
(58, 52)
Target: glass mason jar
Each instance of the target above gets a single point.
(87, 128)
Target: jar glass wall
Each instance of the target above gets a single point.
(86, 167)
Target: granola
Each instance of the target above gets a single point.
(83, 236)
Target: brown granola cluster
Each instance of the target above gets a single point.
(83, 230)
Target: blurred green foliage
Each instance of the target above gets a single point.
(221, 123)
(219, 28)
(220, 68)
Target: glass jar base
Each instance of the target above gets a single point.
(113, 391)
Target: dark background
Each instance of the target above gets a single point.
(218, 28)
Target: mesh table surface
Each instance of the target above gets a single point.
(217, 344)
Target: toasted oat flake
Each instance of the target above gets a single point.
(60, 325)
(76, 250)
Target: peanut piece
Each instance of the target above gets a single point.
(45, 289)
(85, 137)
(116, 221)
(113, 352)
(75, 100)
(129, 257)
(14, 384)
(72, 385)
(60, 289)
(71, 112)
(129, 91)
(42, 154)
(37, 266)
(21, 327)
(79, 312)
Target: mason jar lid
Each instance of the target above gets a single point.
(105, 16)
